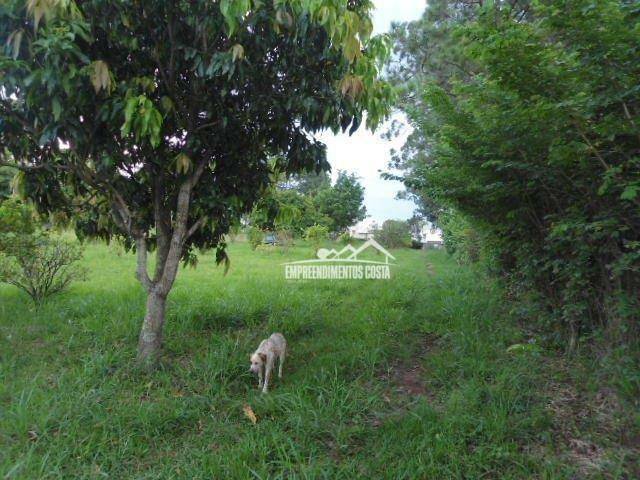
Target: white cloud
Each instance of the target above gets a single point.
(367, 154)
(388, 11)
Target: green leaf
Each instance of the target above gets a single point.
(15, 39)
(237, 52)
(352, 49)
(56, 107)
(129, 110)
(166, 103)
(630, 192)
(183, 163)
(99, 75)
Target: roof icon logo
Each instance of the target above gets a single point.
(349, 254)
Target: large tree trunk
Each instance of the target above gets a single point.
(150, 341)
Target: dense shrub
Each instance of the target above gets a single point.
(532, 138)
(17, 226)
(461, 238)
(416, 244)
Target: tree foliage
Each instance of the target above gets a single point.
(6, 176)
(533, 137)
(298, 205)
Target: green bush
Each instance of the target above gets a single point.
(17, 225)
(32, 260)
(316, 235)
(461, 239)
(394, 234)
(46, 268)
(255, 236)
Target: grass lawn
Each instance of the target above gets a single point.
(400, 379)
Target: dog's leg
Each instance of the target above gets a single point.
(267, 374)
(280, 362)
(260, 378)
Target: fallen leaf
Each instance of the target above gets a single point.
(249, 413)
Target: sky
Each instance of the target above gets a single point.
(366, 153)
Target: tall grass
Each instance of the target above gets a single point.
(407, 378)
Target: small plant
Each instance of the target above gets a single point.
(30, 259)
(255, 236)
(316, 235)
(284, 239)
(44, 269)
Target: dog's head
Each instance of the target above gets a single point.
(257, 360)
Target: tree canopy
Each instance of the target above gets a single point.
(311, 200)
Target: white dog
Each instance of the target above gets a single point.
(265, 356)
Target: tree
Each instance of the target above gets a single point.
(342, 203)
(416, 223)
(160, 118)
(333, 206)
(394, 234)
(428, 52)
(532, 148)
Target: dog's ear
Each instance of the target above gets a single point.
(263, 357)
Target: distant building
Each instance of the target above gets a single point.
(430, 236)
(364, 230)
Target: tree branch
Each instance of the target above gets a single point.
(180, 227)
(141, 273)
(22, 167)
(201, 221)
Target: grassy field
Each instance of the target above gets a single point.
(400, 379)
